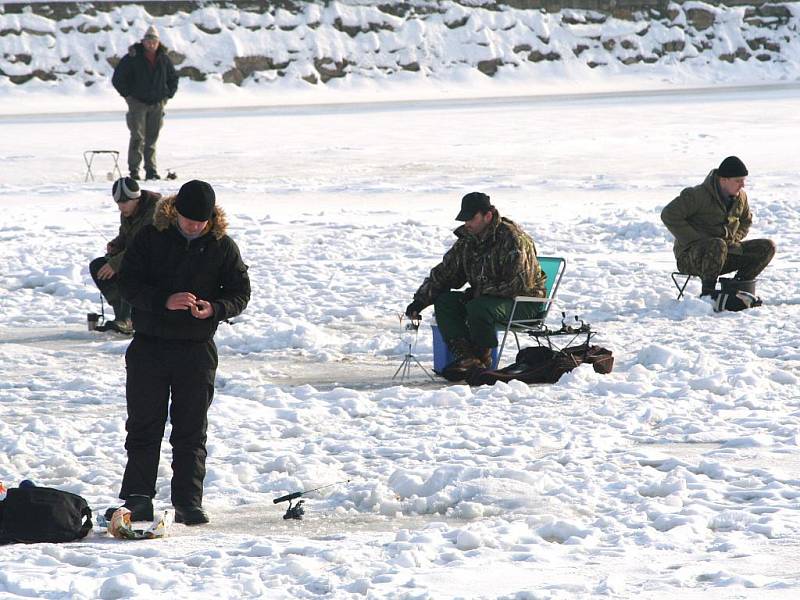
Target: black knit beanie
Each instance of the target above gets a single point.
(195, 200)
(732, 167)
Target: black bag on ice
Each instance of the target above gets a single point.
(39, 514)
(538, 364)
(736, 295)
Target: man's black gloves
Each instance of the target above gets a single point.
(413, 309)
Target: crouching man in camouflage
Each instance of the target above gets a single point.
(498, 260)
(709, 222)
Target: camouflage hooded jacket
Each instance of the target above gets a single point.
(700, 212)
(502, 262)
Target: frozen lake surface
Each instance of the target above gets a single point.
(677, 474)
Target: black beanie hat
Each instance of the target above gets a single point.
(732, 167)
(195, 200)
(472, 203)
(124, 189)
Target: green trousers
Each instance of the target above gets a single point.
(477, 319)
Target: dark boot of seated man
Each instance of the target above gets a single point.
(708, 288)
(464, 360)
(484, 357)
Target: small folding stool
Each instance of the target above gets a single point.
(88, 158)
(681, 287)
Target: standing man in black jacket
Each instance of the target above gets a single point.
(183, 275)
(146, 78)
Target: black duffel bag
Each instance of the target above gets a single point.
(736, 295)
(539, 364)
(38, 514)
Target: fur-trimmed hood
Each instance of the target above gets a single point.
(166, 214)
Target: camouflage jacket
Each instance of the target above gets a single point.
(130, 226)
(700, 212)
(502, 262)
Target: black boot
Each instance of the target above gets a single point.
(708, 288)
(464, 361)
(191, 515)
(152, 174)
(141, 508)
(484, 356)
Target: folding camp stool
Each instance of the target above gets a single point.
(88, 158)
(681, 287)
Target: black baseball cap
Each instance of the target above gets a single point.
(472, 203)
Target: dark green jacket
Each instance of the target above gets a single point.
(130, 226)
(700, 213)
(501, 263)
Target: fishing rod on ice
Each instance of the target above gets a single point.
(297, 511)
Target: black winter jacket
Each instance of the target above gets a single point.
(134, 76)
(161, 262)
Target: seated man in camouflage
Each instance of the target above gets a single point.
(136, 209)
(709, 222)
(498, 260)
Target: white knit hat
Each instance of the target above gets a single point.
(151, 32)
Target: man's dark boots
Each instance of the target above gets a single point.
(464, 360)
(709, 286)
(191, 515)
(141, 508)
(484, 356)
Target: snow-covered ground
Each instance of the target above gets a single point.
(677, 474)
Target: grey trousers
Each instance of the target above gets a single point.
(144, 123)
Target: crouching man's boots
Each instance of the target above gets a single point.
(464, 360)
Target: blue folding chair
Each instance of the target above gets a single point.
(553, 267)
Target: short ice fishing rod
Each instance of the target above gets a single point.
(297, 511)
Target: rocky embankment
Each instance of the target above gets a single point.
(258, 43)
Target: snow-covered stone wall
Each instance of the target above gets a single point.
(319, 42)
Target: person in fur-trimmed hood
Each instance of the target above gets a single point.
(146, 78)
(183, 275)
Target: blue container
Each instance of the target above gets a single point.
(442, 355)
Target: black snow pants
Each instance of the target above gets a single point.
(158, 368)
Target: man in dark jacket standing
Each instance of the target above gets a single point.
(710, 221)
(136, 209)
(183, 275)
(146, 78)
(498, 260)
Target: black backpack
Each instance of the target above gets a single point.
(736, 295)
(38, 514)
